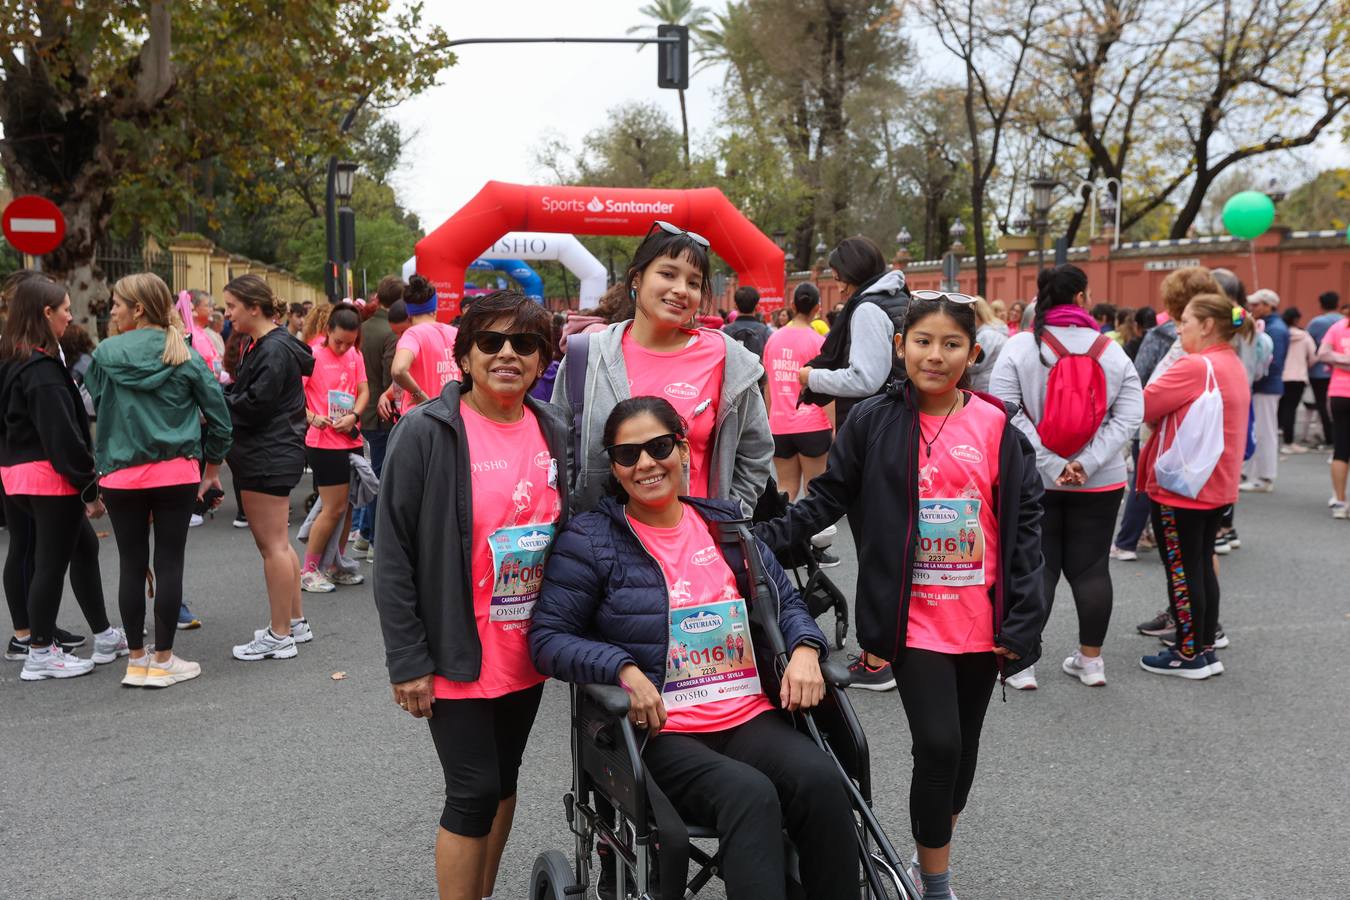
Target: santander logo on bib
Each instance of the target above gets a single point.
(967, 453)
(705, 557)
(682, 390)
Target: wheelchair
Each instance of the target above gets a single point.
(611, 801)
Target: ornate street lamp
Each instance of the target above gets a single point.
(1042, 188)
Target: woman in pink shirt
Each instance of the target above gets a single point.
(801, 434)
(1186, 526)
(1335, 351)
(335, 396)
(424, 360)
(473, 489)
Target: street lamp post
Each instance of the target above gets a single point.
(1041, 188)
(902, 241)
(344, 178)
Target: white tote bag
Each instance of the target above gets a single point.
(1185, 466)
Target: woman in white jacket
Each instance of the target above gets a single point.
(1083, 490)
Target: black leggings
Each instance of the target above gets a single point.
(1340, 428)
(481, 744)
(132, 513)
(58, 537)
(1186, 545)
(945, 696)
(1288, 411)
(752, 781)
(1076, 540)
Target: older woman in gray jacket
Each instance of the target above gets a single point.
(710, 379)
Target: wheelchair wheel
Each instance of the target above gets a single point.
(553, 878)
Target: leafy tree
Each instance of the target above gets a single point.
(1319, 204)
(111, 108)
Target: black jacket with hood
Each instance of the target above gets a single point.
(424, 527)
(42, 417)
(267, 407)
(873, 477)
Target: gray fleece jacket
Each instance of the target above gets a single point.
(1020, 377)
(741, 455)
(870, 352)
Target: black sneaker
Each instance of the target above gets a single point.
(17, 649)
(1159, 625)
(1221, 641)
(67, 640)
(824, 559)
(868, 678)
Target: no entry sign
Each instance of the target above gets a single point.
(33, 225)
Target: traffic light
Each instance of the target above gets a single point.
(672, 67)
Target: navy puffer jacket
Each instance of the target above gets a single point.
(604, 602)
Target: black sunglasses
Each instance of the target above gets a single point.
(671, 229)
(657, 448)
(522, 342)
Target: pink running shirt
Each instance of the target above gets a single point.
(331, 389)
(514, 484)
(691, 379)
(433, 348)
(957, 562)
(37, 478)
(696, 574)
(165, 473)
(1338, 339)
(786, 352)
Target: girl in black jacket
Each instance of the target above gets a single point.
(267, 409)
(47, 465)
(943, 499)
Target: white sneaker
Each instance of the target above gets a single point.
(1340, 510)
(110, 647)
(266, 646)
(1123, 555)
(824, 539)
(240, 522)
(1024, 680)
(1090, 670)
(313, 581)
(300, 632)
(1258, 486)
(341, 576)
(165, 674)
(370, 556)
(54, 663)
(195, 521)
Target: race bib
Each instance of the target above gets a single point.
(340, 403)
(518, 556)
(709, 656)
(951, 543)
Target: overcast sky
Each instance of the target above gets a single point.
(487, 113)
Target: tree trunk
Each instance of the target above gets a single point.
(684, 123)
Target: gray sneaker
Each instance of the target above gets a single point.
(300, 632)
(108, 649)
(266, 646)
(54, 663)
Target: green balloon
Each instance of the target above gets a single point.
(1248, 215)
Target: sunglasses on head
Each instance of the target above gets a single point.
(942, 295)
(657, 448)
(522, 342)
(671, 229)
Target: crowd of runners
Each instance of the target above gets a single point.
(541, 496)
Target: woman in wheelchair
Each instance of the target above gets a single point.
(638, 593)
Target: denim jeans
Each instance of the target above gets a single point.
(363, 519)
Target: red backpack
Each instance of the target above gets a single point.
(1075, 397)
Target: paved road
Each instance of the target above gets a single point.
(271, 779)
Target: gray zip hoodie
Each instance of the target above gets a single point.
(741, 456)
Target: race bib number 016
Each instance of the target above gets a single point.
(951, 543)
(710, 656)
(340, 403)
(518, 556)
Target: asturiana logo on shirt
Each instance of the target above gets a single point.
(700, 622)
(705, 557)
(682, 390)
(533, 540)
(937, 515)
(967, 453)
(543, 459)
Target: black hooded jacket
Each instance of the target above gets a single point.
(42, 417)
(873, 477)
(267, 407)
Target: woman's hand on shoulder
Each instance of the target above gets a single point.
(416, 696)
(803, 686)
(645, 707)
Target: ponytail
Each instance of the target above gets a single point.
(176, 350)
(1055, 286)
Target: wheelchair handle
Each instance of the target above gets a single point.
(835, 672)
(612, 698)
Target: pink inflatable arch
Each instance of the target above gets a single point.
(500, 207)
